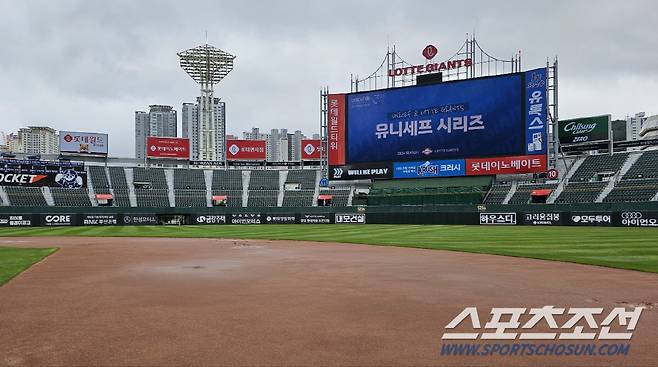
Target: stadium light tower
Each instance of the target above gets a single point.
(207, 65)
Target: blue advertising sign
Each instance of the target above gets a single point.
(444, 168)
(476, 118)
(536, 116)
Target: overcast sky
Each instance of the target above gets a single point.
(88, 65)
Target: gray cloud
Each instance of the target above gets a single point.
(88, 65)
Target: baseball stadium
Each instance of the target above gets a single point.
(447, 215)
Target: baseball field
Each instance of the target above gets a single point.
(306, 294)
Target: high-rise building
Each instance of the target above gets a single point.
(33, 140)
(159, 121)
(191, 128)
(634, 125)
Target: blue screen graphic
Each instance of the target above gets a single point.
(464, 119)
(444, 168)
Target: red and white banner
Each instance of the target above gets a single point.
(505, 165)
(172, 148)
(254, 150)
(311, 149)
(336, 122)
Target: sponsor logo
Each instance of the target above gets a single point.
(68, 138)
(15, 220)
(536, 80)
(577, 128)
(20, 178)
(351, 218)
(315, 219)
(211, 219)
(280, 219)
(57, 219)
(639, 219)
(430, 51)
(99, 220)
(596, 219)
(338, 172)
(498, 218)
(234, 149)
(309, 149)
(427, 151)
(69, 179)
(140, 219)
(539, 219)
(245, 219)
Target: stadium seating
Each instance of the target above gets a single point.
(340, 197)
(259, 198)
(227, 180)
(305, 178)
(581, 192)
(70, 197)
(153, 177)
(522, 194)
(118, 178)
(190, 198)
(99, 179)
(497, 193)
(645, 167)
(595, 164)
(152, 197)
(189, 179)
(264, 180)
(633, 191)
(293, 198)
(25, 196)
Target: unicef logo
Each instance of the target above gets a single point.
(536, 81)
(309, 149)
(233, 149)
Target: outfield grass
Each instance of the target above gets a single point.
(14, 261)
(625, 248)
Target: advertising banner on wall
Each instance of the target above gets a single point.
(442, 168)
(311, 149)
(590, 219)
(361, 171)
(584, 130)
(139, 219)
(279, 218)
(58, 220)
(83, 143)
(69, 179)
(316, 218)
(506, 165)
(245, 218)
(99, 219)
(638, 219)
(254, 150)
(171, 148)
(208, 219)
(542, 219)
(498, 218)
(17, 220)
(350, 219)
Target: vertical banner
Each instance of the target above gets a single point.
(336, 133)
(311, 149)
(535, 112)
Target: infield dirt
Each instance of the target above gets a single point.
(163, 302)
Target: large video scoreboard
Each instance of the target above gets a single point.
(482, 126)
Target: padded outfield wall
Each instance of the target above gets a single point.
(599, 214)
